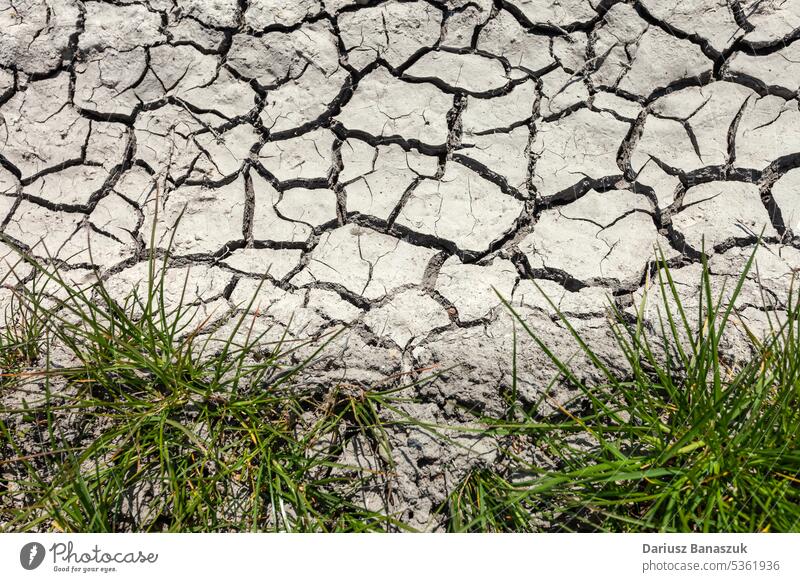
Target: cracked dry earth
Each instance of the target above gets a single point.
(388, 163)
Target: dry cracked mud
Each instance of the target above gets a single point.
(387, 164)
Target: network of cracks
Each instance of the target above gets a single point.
(393, 166)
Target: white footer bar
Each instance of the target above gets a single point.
(401, 557)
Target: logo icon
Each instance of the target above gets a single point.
(31, 555)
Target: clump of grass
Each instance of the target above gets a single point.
(156, 425)
(682, 442)
(486, 501)
(21, 334)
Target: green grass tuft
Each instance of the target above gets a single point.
(157, 424)
(683, 442)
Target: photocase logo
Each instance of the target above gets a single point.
(31, 555)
